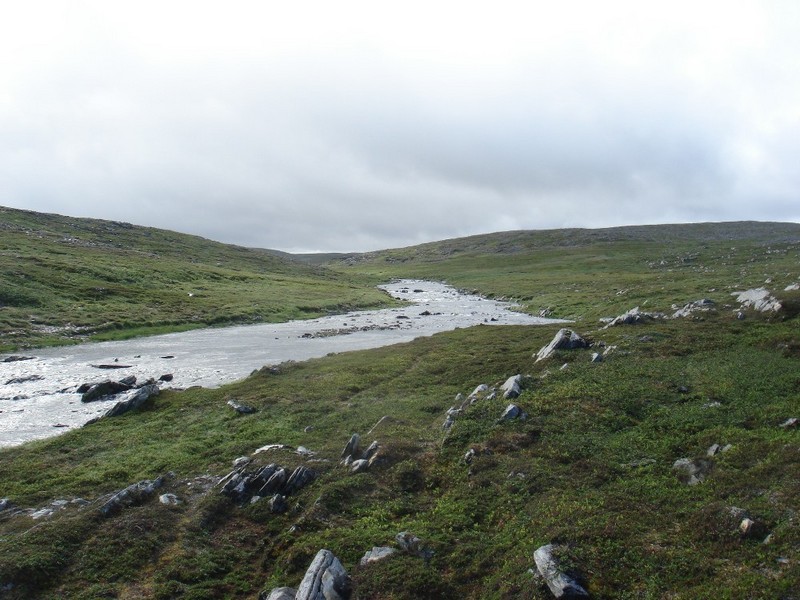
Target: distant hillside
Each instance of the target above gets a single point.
(65, 279)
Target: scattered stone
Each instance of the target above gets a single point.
(792, 287)
(752, 529)
(469, 456)
(411, 544)
(169, 499)
(5, 504)
(712, 404)
(633, 317)
(692, 472)
(132, 400)
(791, 423)
(25, 379)
(715, 449)
(560, 584)
(269, 447)
(376, 554)
(512, 412)
(702, 305)
(565, 339)
(242, 409)
(133, 495)
(308, 429)
(304, 452)
(683, 389)
(512, 387)
(597, 357)
(758, 299)
(326, 579)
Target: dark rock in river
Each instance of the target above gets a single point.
(166, 377)
(17, 358)
(113, 366)
(105, 388)
(131, 400)
(25, 379)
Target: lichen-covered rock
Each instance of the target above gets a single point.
(281, 593)
(565, 339)
(560, 584)
(325, 579)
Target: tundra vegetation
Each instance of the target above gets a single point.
(667, 469)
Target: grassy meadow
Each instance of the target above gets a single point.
(591, 468)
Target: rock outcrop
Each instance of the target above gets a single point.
(692, 471)
(325, 579)
(758, 299)
(131, 400)
(133, 495)
(633, 317)
(565, 339)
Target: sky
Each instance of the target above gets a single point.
(354, 126)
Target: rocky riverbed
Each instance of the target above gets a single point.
(38, 392)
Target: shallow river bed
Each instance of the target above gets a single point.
(43, 402)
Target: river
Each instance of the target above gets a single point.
(43, 402)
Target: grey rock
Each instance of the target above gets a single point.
(241, 461)
(469, 456)
(411, 544)
(634, 316)
(5, 504)
(25, 379)
(512, 412)
(560, 584)
(278, 504)
(702, 305)
(133, 495)
(281, 593)
(358, 466)
(371, 451)
(16, 358)
(166, 377)
(275, 482)
(692, 471)
(448, 422)
(752, 529)
(131, 400)
(103, 389)
(597, 357)
(565, 339)
(169, 499)
(299, 478)
(353, 447)
(242, 409)
(376, 554)
(512, 387)
(325, 579)
(758, 299)
(790, 423)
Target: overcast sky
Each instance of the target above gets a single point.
(345, 126)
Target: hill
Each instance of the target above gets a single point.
(64, 279)
(665, 468)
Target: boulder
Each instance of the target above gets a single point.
(131, 400)
(512, 412)
(560, 584)
(325, 579)
(133, 495)
(352, 448)
(512, 387)
(377, 553)
(702, 305)
(278, 504)
(692, 471)
(281, 593)
(242, 409)
(565, 339)
(169, 499)
(597, 357)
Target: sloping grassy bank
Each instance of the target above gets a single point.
(590, 468)
(64, 280)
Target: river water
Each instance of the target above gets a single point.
(42, 402)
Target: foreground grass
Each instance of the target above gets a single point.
(64, 280)
(561, 475)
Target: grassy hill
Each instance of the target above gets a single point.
(590, 469)
(64, 279)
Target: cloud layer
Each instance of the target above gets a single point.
(350, 126)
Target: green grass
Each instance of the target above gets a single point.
(567, 474)
(64, 280)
